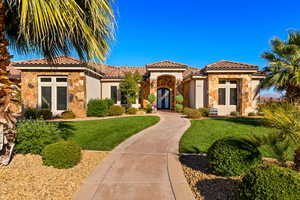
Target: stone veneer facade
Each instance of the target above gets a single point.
(76, 89)
(246, 93)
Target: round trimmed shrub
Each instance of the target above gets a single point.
(98, 107)
(193, 114)
(179, 107)
(33, 136)
(149, 108)
(131, 111)
(251, 114)
(179, 99)
(268, 182)
(64, 154)
(116, 110)
(68, 115)
(204, 112)
(232, 157)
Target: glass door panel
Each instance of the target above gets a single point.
(61, 97)
(46, 97)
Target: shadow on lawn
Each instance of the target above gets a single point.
(209, 186)
(66, 129)
(244, 121)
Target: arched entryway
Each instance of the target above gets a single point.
(163, 98)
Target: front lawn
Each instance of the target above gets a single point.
(202, 133)
(105, 134)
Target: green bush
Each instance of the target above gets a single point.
(33, 136)
(193, 113)
(32, 113)
(99, 107)
(186, 110)
(149, 108)
(234, 114)
(268, 182)
(232, 157)
(179, 99)
(151, 98)
(251, 114)
(116, 110)
(260, 113)
(131, 111)
(179, 107)
(68, 115)
(204, 112)
(63, 154)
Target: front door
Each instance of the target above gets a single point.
(163, 98)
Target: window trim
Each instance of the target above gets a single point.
(53, 84)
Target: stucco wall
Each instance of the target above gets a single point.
(106, 93)
(199, 93)
(93, 87)
(76, 90)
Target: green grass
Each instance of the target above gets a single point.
(106, 134)
(203, 133)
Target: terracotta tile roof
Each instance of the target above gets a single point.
(166, 64)
(229, 65)
(116, 72)
(59, 60)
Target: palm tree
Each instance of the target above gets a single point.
(283, 70)
(286, 118)
(51, 28)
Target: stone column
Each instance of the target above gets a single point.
(153, 88)
(246, 95)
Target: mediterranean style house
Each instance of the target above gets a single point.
(68, 84)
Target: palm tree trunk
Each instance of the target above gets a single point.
(7, 119)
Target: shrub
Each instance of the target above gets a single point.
(251, 114)
(232, 157)
(179, 99)
(33, 136)
(179, 107)
(63, 154)
(234, 113)
(33, 113)
(116, 110)
(149, 108)
(44, 114)
(186, 110)
(193, 113)
(131, 111)
(267, 182)
(260, 113)
(204, 112)
(30, 113)
(98, 107)
(151, 98)
(68, 115)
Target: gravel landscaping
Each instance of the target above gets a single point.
(27, 178)
(205, 185)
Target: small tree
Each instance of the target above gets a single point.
(129, 87)
(179, 100)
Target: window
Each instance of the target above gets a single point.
(114, 93)
(233, 96)
(222, 96)
(46, 97)
(222, 81)
(61, 98)
(53, 93)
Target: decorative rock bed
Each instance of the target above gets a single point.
(27, 178)
(205, 185)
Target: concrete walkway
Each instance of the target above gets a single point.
(143, 167)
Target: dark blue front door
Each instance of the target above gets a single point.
(163, 98)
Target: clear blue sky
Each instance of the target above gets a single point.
(198, 32)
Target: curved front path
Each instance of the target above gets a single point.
(145, 166)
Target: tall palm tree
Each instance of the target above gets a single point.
(51, 28)
(283, 70)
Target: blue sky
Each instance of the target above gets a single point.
(198, 32)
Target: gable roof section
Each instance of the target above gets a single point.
(166, 64)
(230, 65)
(60, 61)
